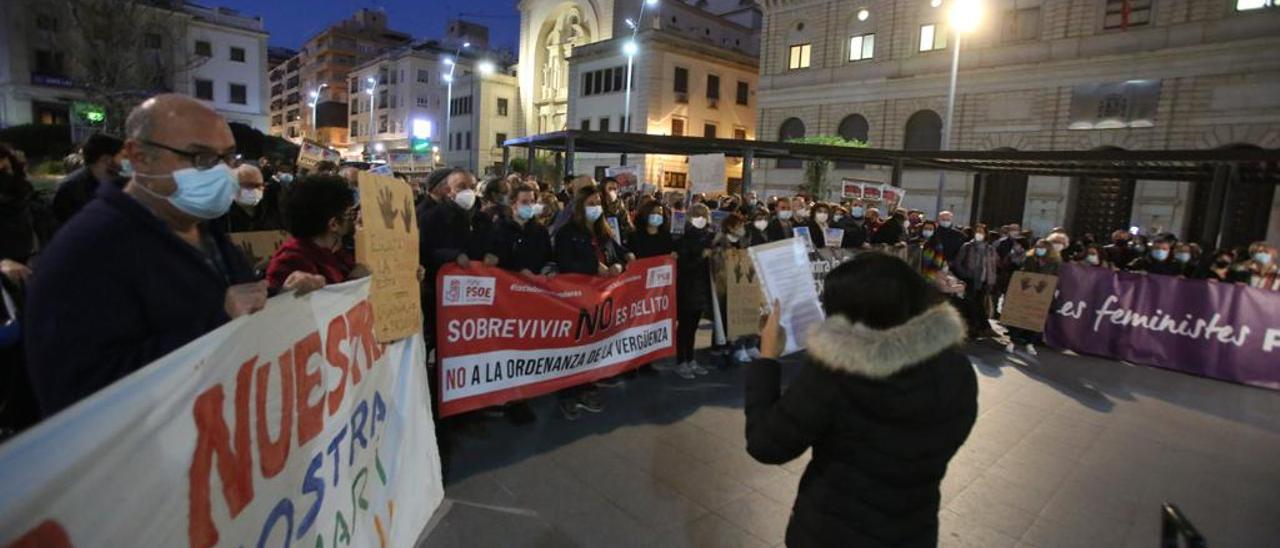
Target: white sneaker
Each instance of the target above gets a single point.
(685, 371)
(741, 356)
(1031, 349)
(698, 368)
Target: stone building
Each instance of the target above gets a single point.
(1035, 75)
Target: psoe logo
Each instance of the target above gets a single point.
(659, 276)
(468, 290)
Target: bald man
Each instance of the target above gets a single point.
(139, 272)
(257, 203)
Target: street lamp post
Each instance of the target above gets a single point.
(315, 100)
(963, 17)
(484, 68)
(630, 48)
(448, 101)
(373, 84)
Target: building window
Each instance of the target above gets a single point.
(293, 131)
(51, 63)
(709, 131)
(460, 106)
(677, 126)
(681, 80)
(152, 40)
(604, 124)
(277, 120)
(601, 81)
(291, 116)
(740, 133)
(862, 47)
(204, 49)
(423, 76)
(382, 99)
(713, 87)
(239, 94)
(355, 86)
(237, 54)
(923, 132)
(1021, 24)
(932, 37)
(393, 77)
(674, 179)
(382, 124)
(853, 127)
(1122, 14)
(500, 139)
(798, 57)
(424, 102)
(744, 93)
(1246, 5)
(585, 125)
(395, 101)
(502, 106)
(468, 143)
(355, 128)
(204, 89)
(355, 106)
(792, 128)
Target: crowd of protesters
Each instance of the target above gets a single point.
(142, 262)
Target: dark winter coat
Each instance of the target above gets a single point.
(951, 239)
(150, 292)
(578, 251)
(855, 233)
(884, 411)
(644, 244)
(1148, 264)
(448, 231)
(26, 223)
(756, 237)
(519, 247)
(777, 230)
(817, 234)
(267, 215)
(693, 269)
(891, 232)
(76, 191)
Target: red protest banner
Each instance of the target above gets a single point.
(503, 336)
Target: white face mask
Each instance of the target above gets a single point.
(733, 238)
(784, 214)
(1058, 247)
(698, 222)
(249, 196)
(537, 209)
(465, 198)
(979, 237)
(820, 217)
(761, 224)
(613, 195)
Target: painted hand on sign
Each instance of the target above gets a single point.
(407, 215)
(387, 209)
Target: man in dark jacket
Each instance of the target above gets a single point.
(780, 227)
(855, 227)
(951, 237)
(1159, 260)
(103, 156)
(883, 422)
(137, 274)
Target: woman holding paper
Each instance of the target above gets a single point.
(818, 224)
(884, 401)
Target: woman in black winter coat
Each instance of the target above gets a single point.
(652, 236)
(585, 244)
(756, 229)
(693, 287)
(884, 401)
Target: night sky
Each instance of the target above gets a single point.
(292, 22)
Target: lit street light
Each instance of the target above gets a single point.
(448, 101)
(373, 84)
(315, 99)
(964, 16)
(630, 48)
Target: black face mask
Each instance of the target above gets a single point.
(1222, 263)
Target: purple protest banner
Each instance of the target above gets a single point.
(1219, 330)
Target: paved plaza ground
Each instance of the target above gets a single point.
(1067, 451)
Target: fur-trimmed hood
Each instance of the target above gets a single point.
(857, 349)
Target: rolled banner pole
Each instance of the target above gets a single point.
(718, 332)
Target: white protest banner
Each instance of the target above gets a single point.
(292, 426)
(707, 173)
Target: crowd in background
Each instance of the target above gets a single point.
(119, 214)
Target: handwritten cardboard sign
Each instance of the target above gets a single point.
(387, 243)
(1027, 303)
(259, 246)
(743, 294)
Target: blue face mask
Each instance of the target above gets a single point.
(1182, 257)
(857, 212)
(1040, 251)
(525, 212)
(285, 179)
(1262, 257)
(205, 194)
(594, 213)
(655, 219)
(1160, 254)
(944, 224)
(126, 168)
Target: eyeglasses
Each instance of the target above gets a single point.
(201, 160)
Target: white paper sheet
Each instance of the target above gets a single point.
(786, 276)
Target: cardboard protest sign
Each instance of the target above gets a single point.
(290, 426)
(505, 337)
(803, 233)
(614, 228)
(834, 237)
(258, 247)
(1028, 300)
(677, 222)
(851, 189)
(312, 153)
(627, 176)
(743, 295)
(707, 173)
(892, 195)
(387, 243)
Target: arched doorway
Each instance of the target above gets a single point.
(853, 127)
(1100, 205)
(923, 131)
(792, 128)
(999, 198)
(556, 40)
(1246, 213)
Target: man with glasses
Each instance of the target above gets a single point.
(139, 272)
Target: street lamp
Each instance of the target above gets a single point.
(315, 99)
(448, 101)
(373, 84)
(965, 15)
(630, 48)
